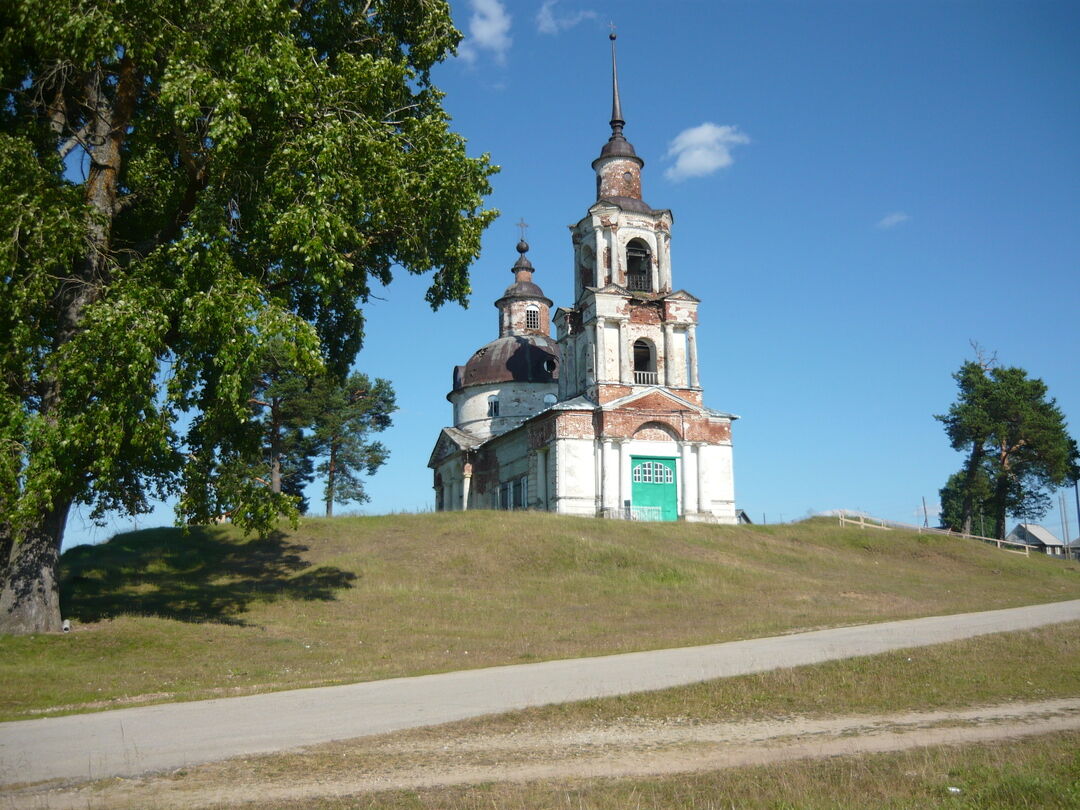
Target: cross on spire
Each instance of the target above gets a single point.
(524, 226)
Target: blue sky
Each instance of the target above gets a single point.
(863, 188)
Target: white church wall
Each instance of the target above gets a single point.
(517, 402)
(717, 497)
(574, 488)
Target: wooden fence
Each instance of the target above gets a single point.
(864, 522)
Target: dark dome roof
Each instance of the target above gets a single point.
(524, 289)
(514, 358)
(629, 204)
(618, 147)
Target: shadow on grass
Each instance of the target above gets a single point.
(204, 575)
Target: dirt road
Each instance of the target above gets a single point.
(127, 742)
(412, 760)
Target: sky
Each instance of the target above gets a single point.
(861, 190)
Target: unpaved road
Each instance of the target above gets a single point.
(412, 760)
(127, 742)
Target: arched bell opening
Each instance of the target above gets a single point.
(644, 363)
(638, 266)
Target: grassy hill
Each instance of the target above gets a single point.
(162, 615)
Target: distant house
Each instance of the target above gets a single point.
(1038, 537)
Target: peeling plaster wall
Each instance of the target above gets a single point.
(513, 319)
(517, 402)
(575, 477)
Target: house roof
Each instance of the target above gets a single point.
(1039, 533)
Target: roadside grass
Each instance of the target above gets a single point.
(1034, 772)
(1031, 665)
(167, 615)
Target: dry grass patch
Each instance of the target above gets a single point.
(1042, 773)
(165, 615)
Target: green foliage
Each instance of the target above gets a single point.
(182, 185)
(346, 414)
(1017, 446)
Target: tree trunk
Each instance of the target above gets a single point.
(1001, 497)
(29, 596)
(330, 471)
(967, 504)
(275, 445)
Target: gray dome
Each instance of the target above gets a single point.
(514, 358)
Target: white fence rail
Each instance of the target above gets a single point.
(865, 522)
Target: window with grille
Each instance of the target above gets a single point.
(493, 406)
(653, 472)
(532, 318)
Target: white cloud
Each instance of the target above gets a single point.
(548, 23)
(489, 30)
(702, 150)
(892, 220)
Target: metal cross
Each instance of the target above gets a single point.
(524, 226)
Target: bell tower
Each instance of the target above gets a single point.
(629, 327)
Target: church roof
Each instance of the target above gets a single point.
(452, 440)
(617, 145)
(523, 286)
(514, 358)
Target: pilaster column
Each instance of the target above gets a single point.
(702, 457)
(609, 492)
(689, 478)
(691, 348)
(601, 350)
(466, 485)
(665, 277)
(626, 368)
(669, 342)
(624, 472)
(541, 477)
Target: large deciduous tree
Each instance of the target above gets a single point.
(1017, 445)
(183, 183)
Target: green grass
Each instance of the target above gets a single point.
(165, 615)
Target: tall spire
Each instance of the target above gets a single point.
(617, 122)
(617, 145)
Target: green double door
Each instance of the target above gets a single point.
(653, 491)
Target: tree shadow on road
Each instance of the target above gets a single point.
(206, 574)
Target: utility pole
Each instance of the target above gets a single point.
(1063, 505)
(925, 514)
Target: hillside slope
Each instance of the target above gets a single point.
(164, 615)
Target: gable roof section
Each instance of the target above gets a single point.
(452, 440)
(1037, 533)
(668, 401)
(652, 399)
(681, 295)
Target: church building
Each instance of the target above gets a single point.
(608, 418)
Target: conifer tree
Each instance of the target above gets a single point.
(1017, 444)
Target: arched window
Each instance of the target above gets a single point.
(587, 269)
(638, 266)
(644, 363)
(493, 406)
(532, 317)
